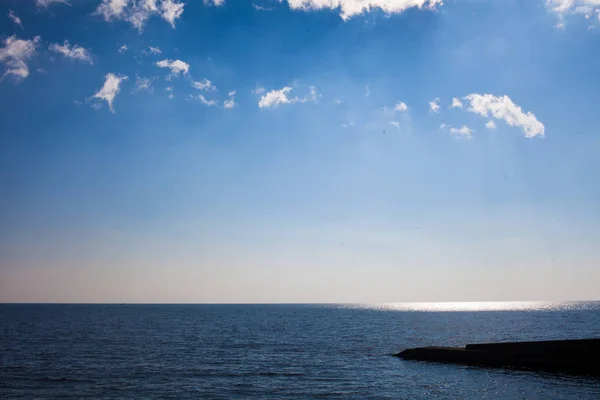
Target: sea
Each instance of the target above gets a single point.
(309, 351)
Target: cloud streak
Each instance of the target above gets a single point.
(73, 52)
(15, 18)
(204, 85)
(503, 108)
(46, 3)
(203, 100)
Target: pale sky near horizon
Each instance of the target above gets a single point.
(232, 151)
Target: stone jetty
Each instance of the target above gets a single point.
(581, 356)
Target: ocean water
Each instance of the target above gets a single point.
(278, 351)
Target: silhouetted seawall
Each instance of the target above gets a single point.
(572, 356)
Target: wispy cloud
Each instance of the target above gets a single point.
(154, 50)
(171, 11)
(261, 8)
(589, 9)
(456, 103)
(46, 3)
(351, 8)
(110, 89)
(14, 18)
(73, 52)
(123, 48)
(396, 124)
(138, 12)
(230, 103)
(143, 84)
(463, 131)
(177, 67)
(258, 90)
(15, 54)
(169, 89)
(491, 125)
(216, 3)
(204, 84)
(275, 98)
(503, 108)
(401, 106)
(203, 100)
(434, 105)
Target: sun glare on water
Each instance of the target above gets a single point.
(472, 306)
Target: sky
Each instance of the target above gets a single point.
(231, 151)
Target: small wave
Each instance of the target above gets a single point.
(246, 374)
(61, 379)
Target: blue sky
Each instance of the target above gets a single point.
(295, 152)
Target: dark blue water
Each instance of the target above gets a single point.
(276, 351)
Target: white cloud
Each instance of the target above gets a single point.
(176, 66)
(396, 124)
(46, 3)
(171, 11)
(154, 50)
(367, 90)
(169, 89)
(73, 52)
(216, 3)
(230, 103)
(143, 84)
(205, 85)
(443, 126)
(258, 90)
(463, 131)
(504, 108)
(350, 8)
(112, 9)
(261, 8)
(123, 48)
(434, 106)
(138, 12)
(14, 55)
(203, 100)
(401, 106)
(275, 98)
(14, 18)
(491, 125)
(314, 95)
(565, 8)
(110, 89)
(456, 103)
